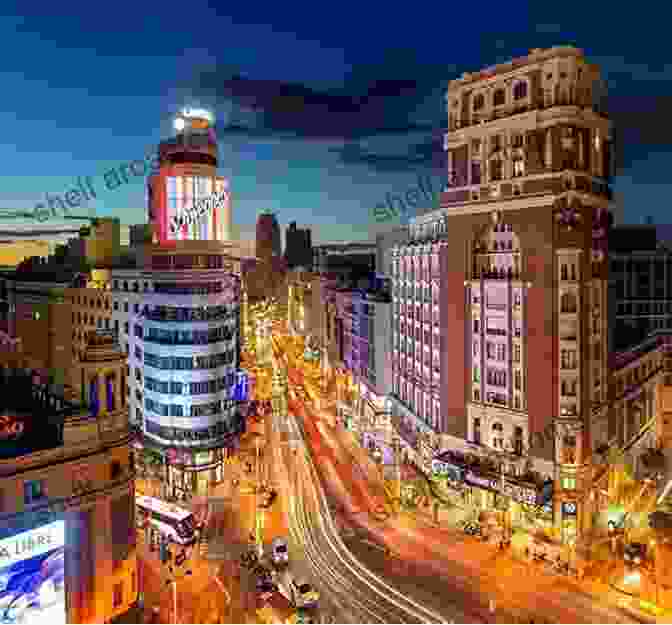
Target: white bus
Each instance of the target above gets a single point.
(172, 521)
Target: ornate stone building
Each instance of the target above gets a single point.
(513, 266)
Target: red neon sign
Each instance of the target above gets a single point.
(10, 427)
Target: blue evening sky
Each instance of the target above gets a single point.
(322, 108)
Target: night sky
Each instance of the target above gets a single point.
(322, 108)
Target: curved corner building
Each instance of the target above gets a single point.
(186, 342)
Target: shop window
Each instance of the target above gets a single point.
(34, 491)
(568, 483)
(118, 595)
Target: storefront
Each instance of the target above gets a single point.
(376, 442)
(518, 504)
(568, 509)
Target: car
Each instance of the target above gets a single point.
(303, 594)
(635, 553)
(279, 551)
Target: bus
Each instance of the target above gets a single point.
(178, 524)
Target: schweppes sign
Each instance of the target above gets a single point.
(201, 207)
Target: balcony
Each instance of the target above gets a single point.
(495, 274)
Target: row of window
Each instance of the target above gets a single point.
(645, 308)
(209, 313)
(188, 337)
(187, 363)
(184, 261)
(221, 428)
(190, 388)
(178, 288)
(195, 410)
(135, 286)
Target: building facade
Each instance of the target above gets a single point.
(268, 236)
(500, 336)
(186, 387)
(68, 501)
(298, 246)
(349, 260)
(640, 281)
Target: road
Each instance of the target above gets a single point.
(357, 594)
(434, 563)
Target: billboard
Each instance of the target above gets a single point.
(32, 576)
(197, 208)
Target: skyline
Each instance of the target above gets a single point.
(316, 132)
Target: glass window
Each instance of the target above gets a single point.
(33, 491)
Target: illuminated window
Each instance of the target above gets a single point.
(118, 595)
(33, 491)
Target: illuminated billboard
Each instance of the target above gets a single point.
(198, 208)
(32, 576)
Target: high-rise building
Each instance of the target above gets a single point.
(500, 320)
(186, 387)
(298, 247)
(186, 199)
(268, 236)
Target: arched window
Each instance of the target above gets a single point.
(479, 101)
(568, 303)
(520, 90)
(518, 441)
(499, 98)
(125, 285)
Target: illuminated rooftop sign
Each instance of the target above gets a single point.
(201, 207)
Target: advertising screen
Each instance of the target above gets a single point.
(197, 208)
(32, 576)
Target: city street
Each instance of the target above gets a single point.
(446, 560)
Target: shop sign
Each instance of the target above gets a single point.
(480, 481)
(10, 427)
(521, 494)
(569, 508)
(203, 457)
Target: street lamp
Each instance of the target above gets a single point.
(173, 583)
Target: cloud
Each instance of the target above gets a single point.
(425, 154)
(258, 108)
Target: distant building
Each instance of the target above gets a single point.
(268, 236)
(351, 261)
(385, 243)
(640, 284)
(298, 247)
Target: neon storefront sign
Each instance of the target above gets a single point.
(204, 206)
(10, 427)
